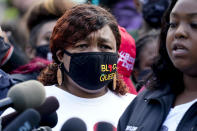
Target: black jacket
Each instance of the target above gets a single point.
(149, 109)
(5, 84)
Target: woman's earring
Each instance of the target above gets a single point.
(60, 75)
(114, 81)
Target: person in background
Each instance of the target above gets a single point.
(38, 50)
(146, 52)
(170, 100)
(40, 23)
(152, 12)
(127, 15)
(84, 45)
(5, 51)
(126, 60)
(19, 37)
(124, 11)
(14, 19)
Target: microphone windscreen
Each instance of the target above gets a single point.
(5, 120)
(47, 112)
(104, 126)
(26, 121)
(49, 120)
(28, 94)
(74, 124)
(49, 106)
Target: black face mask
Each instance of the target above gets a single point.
(153, 11)
(43, 51)
(92, 70)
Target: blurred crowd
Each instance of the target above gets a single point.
(26, 27)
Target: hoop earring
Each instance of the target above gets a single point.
(60, 74)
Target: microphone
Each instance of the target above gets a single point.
(74, 124)
(26, 121)
(28, 94)
(5, 120)
(46, 111)
(50, 120)
(104, 126)
(49, 106)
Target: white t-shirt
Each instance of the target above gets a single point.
(108, 107)
(175, 115)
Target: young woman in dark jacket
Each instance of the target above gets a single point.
(170, 101)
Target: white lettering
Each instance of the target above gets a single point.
(25, 127)
(127, 60)
(131, 128)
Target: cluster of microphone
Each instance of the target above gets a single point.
(35, 112)
(77, 124)
(33, 109)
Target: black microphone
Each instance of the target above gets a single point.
(104, 126)
(50, 120)
(47, 112)
(26, 121)
(49, 106)
(5, 120)
(74, 124)
(28, 94)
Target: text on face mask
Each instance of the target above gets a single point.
(107, 69)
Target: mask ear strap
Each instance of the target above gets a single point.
(60, 73)
(68, 53)
(64, 69)
(62, 65)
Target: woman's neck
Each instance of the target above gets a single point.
(190, 83)
(190, 90)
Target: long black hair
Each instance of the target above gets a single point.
(164, 72)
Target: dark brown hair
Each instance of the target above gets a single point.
(75, 25)
(163, 66)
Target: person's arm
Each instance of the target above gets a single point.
(5, 83)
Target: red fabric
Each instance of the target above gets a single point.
(127, 55)
(37, 64)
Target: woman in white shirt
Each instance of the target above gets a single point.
(84, 45)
